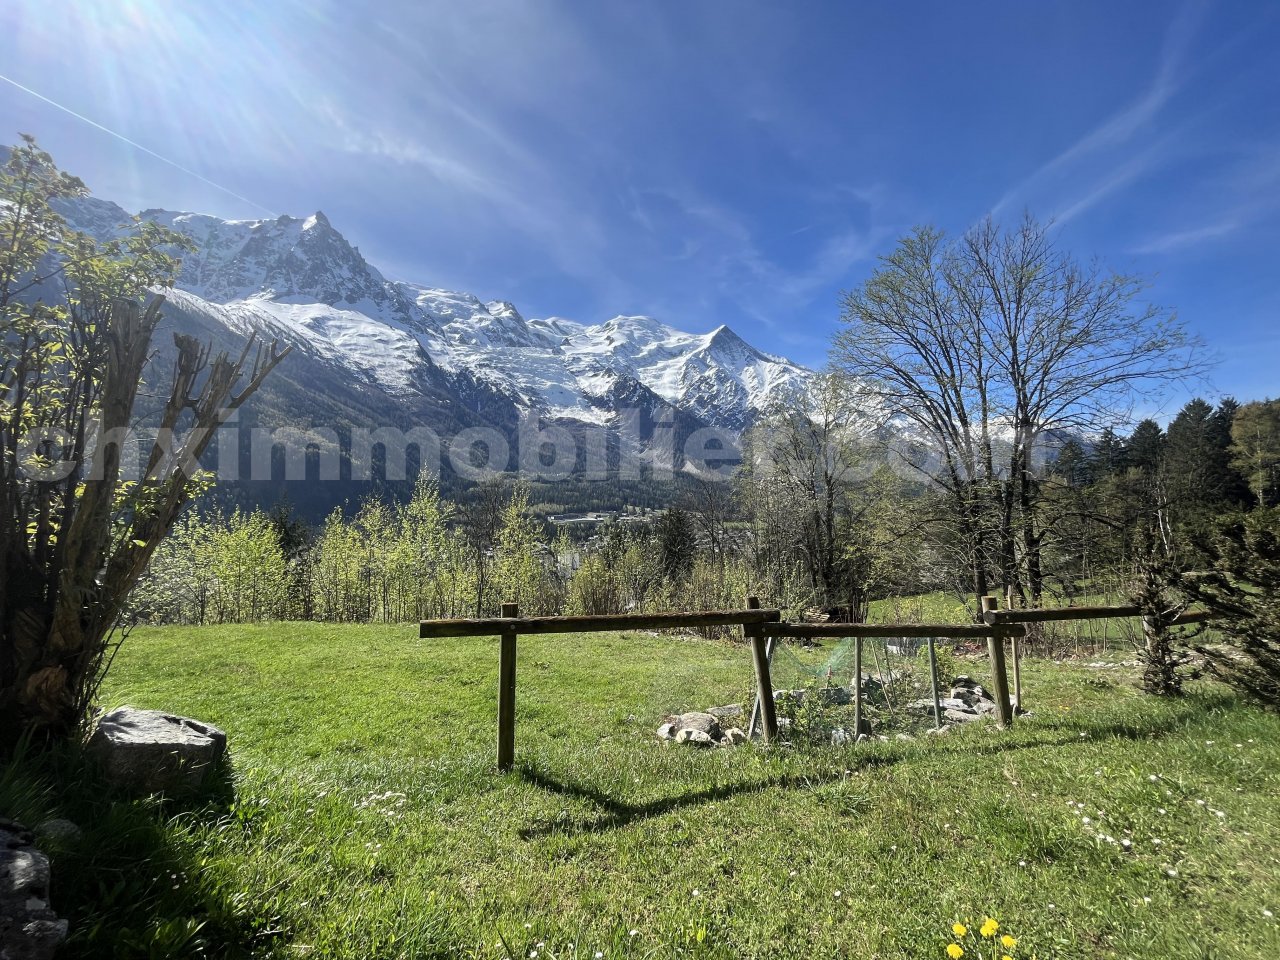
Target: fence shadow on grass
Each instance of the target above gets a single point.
(620, 813)
(614, 812)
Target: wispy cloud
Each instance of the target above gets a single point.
(1073, 171)
(1182, 239)
(1246, 195)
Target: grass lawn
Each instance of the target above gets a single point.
(368, 821)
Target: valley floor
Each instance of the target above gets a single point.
(368, 822)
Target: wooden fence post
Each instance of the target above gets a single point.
(764, 685)
(1000, 675)
(507, 692)
(933, 681)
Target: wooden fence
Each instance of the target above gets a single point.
(763, 628)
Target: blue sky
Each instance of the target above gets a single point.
(707, 162)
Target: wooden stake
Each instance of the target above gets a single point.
(1017, 672)
(770, 647)
(1000, 674)
(1016, 642)
(764, 684)
(507, 692)
(933, 679)
(857, 688)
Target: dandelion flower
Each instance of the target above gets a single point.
(1006, 957)
(1008, 942)
(989, 927)
(959, 929)
(955, 951)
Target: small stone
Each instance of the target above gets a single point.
(939, 731)
(734, 736)
(696, 738)
(58, 832)
(667, 731)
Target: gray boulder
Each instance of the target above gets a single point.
(29, 929)
(699, 722)
(667, 731)
(835, 696)
(151, 751)
(727, 712)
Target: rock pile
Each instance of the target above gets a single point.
(703, 729)
(29, 929)
(968, 701)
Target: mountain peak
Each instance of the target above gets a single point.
(724, 335)
(317, 219)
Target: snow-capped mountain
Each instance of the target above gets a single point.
(301, 281)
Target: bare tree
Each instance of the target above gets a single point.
(992, 344)
(914, 353)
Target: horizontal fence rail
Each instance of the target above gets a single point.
(764, 628)
(496, 626)
(949, 631)
(1054, 614)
